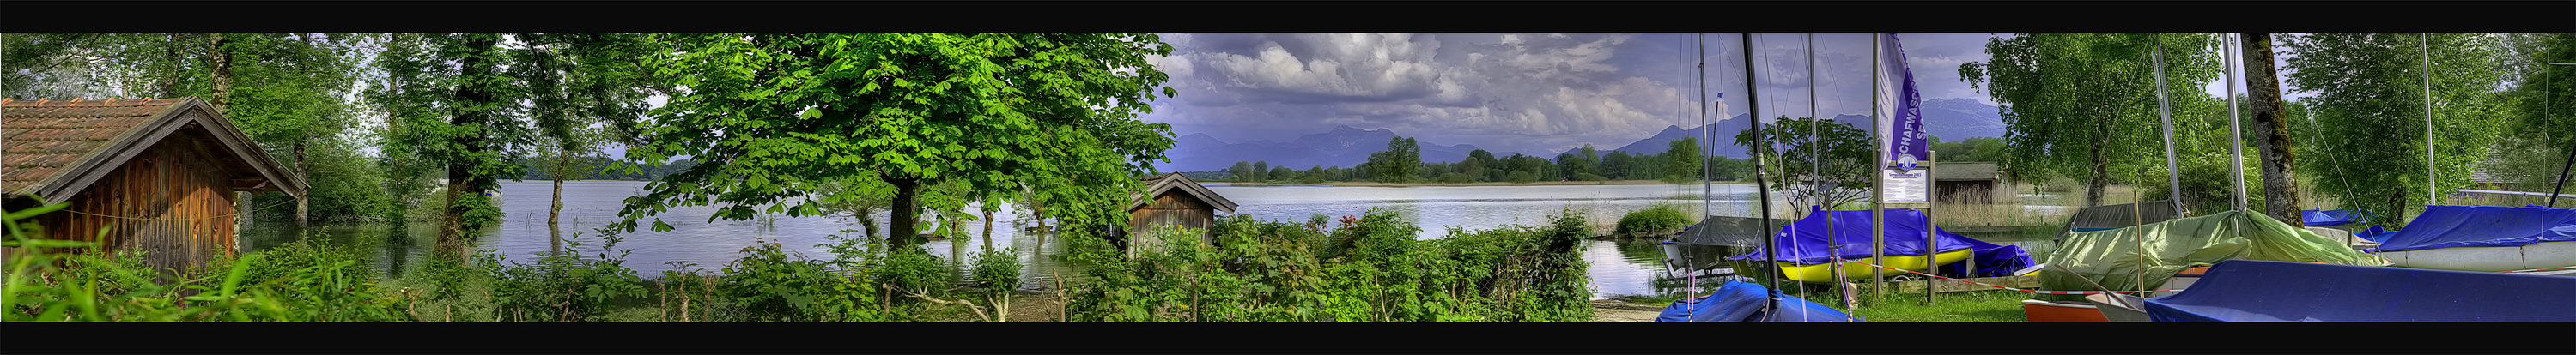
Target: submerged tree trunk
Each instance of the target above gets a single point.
(2263, 89)
(902, 232)
(988, 229)
(554, 213)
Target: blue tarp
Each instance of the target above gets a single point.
(1904, 232)
(2327, 218)
(2447, 226)
(2274, 291)
(1738, 301)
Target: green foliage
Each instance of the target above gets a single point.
(1400, 162)
(2370, 106)
(767, 284)
(998, 272)
(1367, 268)
(1806, 145)
(301, 281)
(1657, 218)
(563, 287)
(1682, 159)
(2075, 104)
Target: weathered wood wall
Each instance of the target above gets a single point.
(171, 201)
(1172, 208)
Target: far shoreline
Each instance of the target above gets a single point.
(1426, 184)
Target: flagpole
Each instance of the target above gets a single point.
(1878, 185)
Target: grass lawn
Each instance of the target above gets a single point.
(1974, 306)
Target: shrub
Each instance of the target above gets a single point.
(1658, 218)
(1367, 268)
(301, 282)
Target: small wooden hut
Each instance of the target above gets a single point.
(158, 175)
(1172, 199)
(1966, 182)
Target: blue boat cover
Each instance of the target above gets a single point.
(2326, 218)
(1904, 233)
(1738, 301)
(2447, 226)
(2274, 291)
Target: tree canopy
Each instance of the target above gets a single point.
(2370, 108)
(773, 117)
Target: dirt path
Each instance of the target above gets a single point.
(1616, 311)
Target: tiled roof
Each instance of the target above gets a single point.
(41, 137)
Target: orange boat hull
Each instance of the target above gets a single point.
(2044, 311)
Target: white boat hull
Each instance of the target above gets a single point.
(2534, 256)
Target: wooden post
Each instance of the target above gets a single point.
(1931, 244)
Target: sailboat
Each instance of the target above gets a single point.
(1737, 300)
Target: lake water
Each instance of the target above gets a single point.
(1617, 267)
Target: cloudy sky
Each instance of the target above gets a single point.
(1525, 93)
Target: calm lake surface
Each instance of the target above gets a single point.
(1617, 267)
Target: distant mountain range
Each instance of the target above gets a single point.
(1344, 146)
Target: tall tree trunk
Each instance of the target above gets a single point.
(454, 238)
(2263, 89)
(907, 213)
(303, 203)
(222, 61)
(168, 86)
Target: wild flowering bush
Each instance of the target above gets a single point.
(1366, 268)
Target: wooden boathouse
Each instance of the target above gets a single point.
(157, 175)
(1172, 199)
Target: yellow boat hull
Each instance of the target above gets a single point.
(1823, 273)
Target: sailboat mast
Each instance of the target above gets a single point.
(1833, 252)
(2164, 111)
(2235, 138)
(1753, 102)
(1707, 174)
(2432, 182)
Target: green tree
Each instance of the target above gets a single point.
(1400, 162)
(2073, 103)
(769, 117)
(1616, 165)
(458, 108)
(1841, 151)
(2544, 112)
(2373, 85)
(1260, 171)
(1682, 159)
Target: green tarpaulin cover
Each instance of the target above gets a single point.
(2113, 257)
